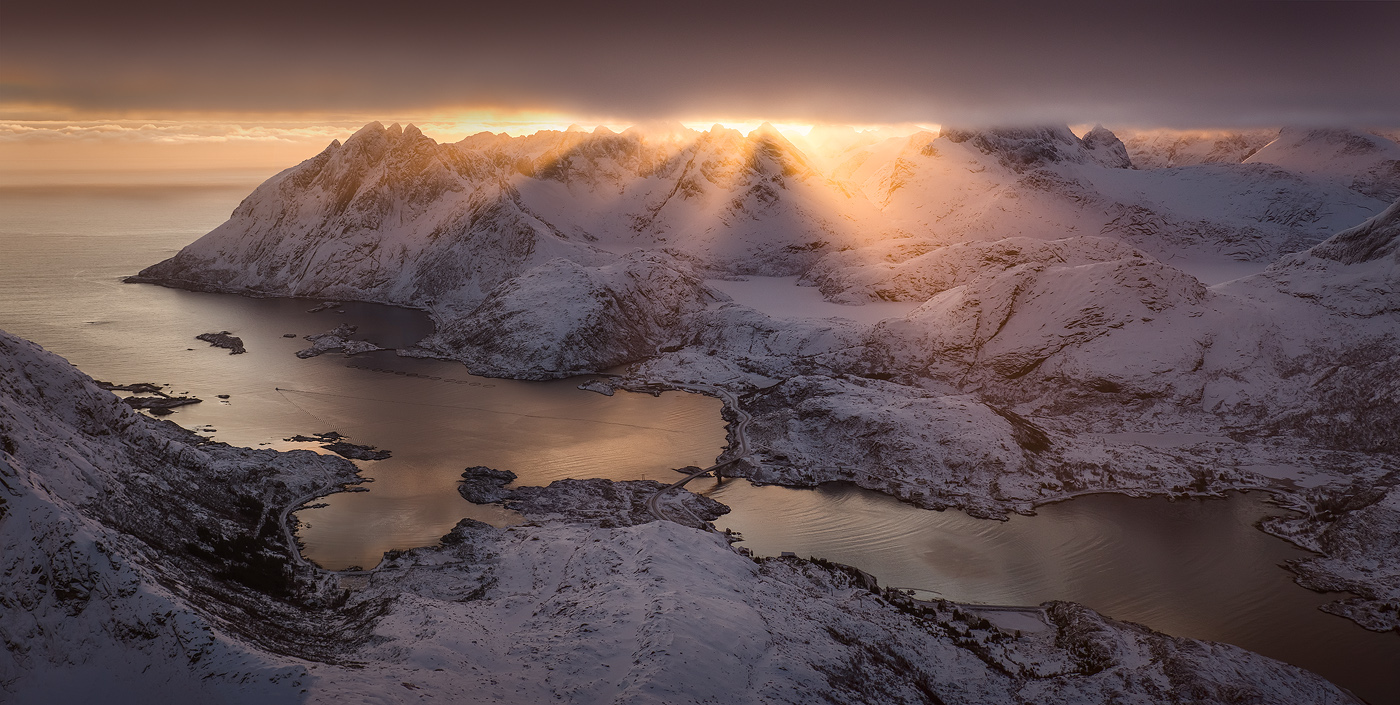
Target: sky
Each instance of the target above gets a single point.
(254, 79)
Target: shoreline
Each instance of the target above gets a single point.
(643, 384)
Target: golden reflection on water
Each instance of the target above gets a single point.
(436, 428)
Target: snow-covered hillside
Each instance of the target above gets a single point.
(1362, 161)
(969, 185)
(144, 563)
(1157, 149)
(392, 216)
(1058, 342)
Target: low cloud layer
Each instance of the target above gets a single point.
(1176, 64)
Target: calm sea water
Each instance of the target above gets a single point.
(1195, 569)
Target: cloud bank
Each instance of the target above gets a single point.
(1173, 64)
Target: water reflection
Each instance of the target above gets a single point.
(1187, 568)
(540, 431)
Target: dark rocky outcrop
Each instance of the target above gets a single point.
(222, 339)
(482, 485)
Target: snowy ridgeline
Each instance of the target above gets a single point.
(143, 563)
(1025, 321)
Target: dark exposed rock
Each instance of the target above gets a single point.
(482, 485)
(336, 443)
(463, 531)
(343, 330)
(604, 503)
(160, 403)
(337, 339)
(1022, 148)
(327, 437)
(1105, 148)
(357, 452)
(136, 388)
(222, 339)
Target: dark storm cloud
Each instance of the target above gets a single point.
(1180, 64)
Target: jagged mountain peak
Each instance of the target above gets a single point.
(1105, 148)
(1159, 148)
(372, 128)
(766, 130)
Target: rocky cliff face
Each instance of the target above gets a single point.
(134, 551)
(562, 319)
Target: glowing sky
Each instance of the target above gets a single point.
(294, 72)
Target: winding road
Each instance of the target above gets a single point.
(653, 503)
(290, 535)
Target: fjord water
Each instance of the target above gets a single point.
(1195, 569)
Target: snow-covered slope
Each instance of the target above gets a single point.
(392, 216)
(1360, 160)
(970, 185)
(1037, 369)
(562, 319)
(913, 269)
(1058, 324)
(1157, 149)
(145, 564)
(1356, 272)
(389, 216)
(133, 552)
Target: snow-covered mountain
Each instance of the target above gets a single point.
(1157, 149)
(394, 217)
(1362, 161)
(1058, 341)
(968, 185)
(144, 563)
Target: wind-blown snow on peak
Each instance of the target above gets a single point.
(661, 129)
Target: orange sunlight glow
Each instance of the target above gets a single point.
(36, 144)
